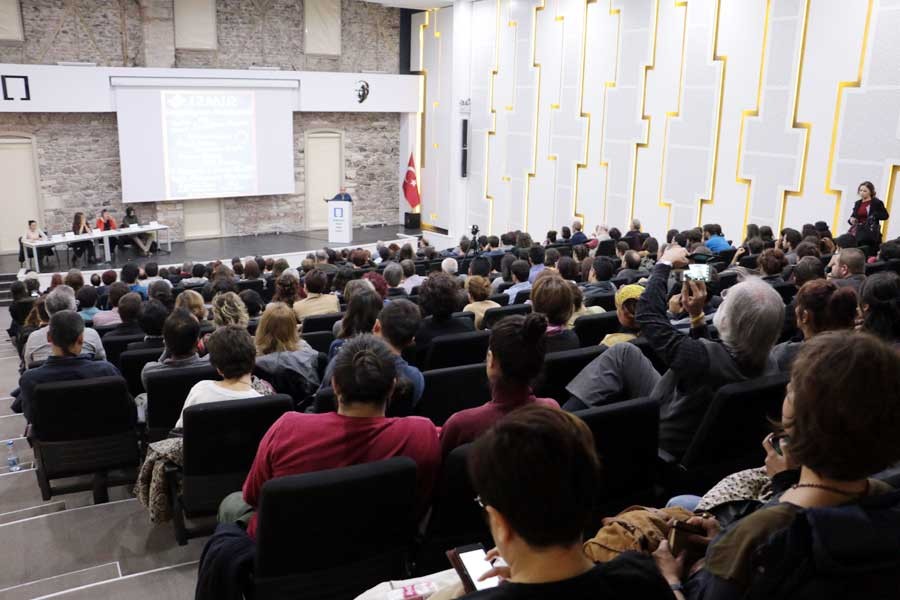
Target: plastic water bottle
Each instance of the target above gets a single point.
(12, 459)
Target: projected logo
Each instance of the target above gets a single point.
(362, 91)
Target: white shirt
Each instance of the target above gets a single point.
(208, 391)
(38, 349)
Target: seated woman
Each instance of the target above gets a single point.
(439, 298)
(578, 307)
(515, 357)
(479, 291)
(537, 513)
(839, 429)
(227, 309)
(362, 311)
(193, 302)
(144, 241)
(820, 306)
(551, 295)
(281, 351)
(749, 322)
(233, 354)
(287, 289)
(80, 227)
(772, 263)
(879, 303)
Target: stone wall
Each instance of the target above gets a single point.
(78, 154)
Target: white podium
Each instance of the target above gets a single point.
(340, 221)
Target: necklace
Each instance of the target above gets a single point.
(833, 490)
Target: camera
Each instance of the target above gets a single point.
(475, 230)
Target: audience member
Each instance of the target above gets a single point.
(578, 236)
(849, 269)
(879, 301)
(790, 239)
(152, 321)
(598, 280)
(749, 322)
(193, 302)
(536, 261)
(551, 295)
(505, 272)
(68, 358)
(378, 283)
(254, 303)
(364, 375)
(478, 289)
(181, 335)
(626, 308)
(287, 289)
(196, 277)
(38, 347)
(233, 354)
(109, 317)
(362, 312)
(439, 298)
(631, 267)
(281, 351)
(318, 301)
(772, 263)
(162, 292)
(74, 279)
(87, 302)
(129, 274)
(411, 279)
(515, 358)
(536, 473)
(578, 307)
(393, 276)
(520, 272)
(130, 307)
(713, 238)
(807, 268)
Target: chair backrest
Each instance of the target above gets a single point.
(650, 353)
(726, 255)
(593, 328)
(626, 436)
(335, 533)
(288, 382)
(560, 368)
(324, 322)
(729, 437)
(167, 389)
(505, 286)
(522, 296)
(606, 248)
(320, 340)
(451, 390)
(82, 408)
(131, 363)
(492, 316)
(727, 279)
(220, 443)
(257, 285)
(607, 301)
(115, 345)
(457, 349)
(786, 289)
(104, 329)
(750, 261)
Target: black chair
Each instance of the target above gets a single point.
(220, 442)
(505, 286)
(730, 436)
(876, 267)
(522, 296)
(456, 520)
(607, 301)
(115, 345)
(492, 316)
(560, 368)
(257, 285)
(325, 322)
(457, 349)
(317, 540)
(500, 299)
(727, 279)
(131, 363)
(463, 314)
(606, 248)
(750, 261)
(650, 353)
(451, 390)
(786, 289)
(725, 256)
(626, 436)
(167, 389)
(591, 329)
(104, 329)
(291, 383)
(319, 340)
(84, 427)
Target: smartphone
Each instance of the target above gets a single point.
(471, 563)
(678, 537)
(698, 273)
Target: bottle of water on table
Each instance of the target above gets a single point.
(12, 459)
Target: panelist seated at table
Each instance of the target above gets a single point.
(143, 241)
(34, 234)
(106, 222)
(81, 227)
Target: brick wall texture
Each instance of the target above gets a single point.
(78, 154)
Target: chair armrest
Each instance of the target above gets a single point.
(666, 458)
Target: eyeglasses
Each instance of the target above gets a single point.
(477, 500)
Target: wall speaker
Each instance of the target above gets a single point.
(464, 169)
(412, 220)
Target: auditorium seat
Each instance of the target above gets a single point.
(84, 427)
(455, 519)
(115, 345)
(167, 389)
(786, 290)
(725, 256)
(457, 349)
(257, 285)
(324, 322)
(649, 352)
(727, 279)
(593, 328)
(606, 248)
(220, 442)
(729, 439)
(560, 368)
(522, 296)
(492, 316)
(501, 299)
(291, 383)
(335, 533)
(749, 261)
(131, 363)
(319, 340)
(104, 329)
(626, 436)
(451, 390)
(606, 301)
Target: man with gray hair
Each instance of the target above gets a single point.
(322, 262)
(411, 279)
(749, 322)
(38, 347)
(450, 266)
(393, 275)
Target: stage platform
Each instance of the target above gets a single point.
(292, 246)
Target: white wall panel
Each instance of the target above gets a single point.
(195, 24)
(322, 27)
(11, 21)
(678, 112)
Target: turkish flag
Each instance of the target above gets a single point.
(411, 185)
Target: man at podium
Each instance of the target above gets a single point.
(340, 218)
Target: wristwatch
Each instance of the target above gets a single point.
(676, 587)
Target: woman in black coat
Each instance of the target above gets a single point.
(868, 212)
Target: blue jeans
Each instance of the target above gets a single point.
(687, 502)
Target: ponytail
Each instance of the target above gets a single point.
(519, 344)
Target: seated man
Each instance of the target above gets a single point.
(393, 275)
(38, 346)
(520, 272)
(598, 283)
(410, 278)
(111, 316)
(318, 301)
(749, 322)
(713, 238)
(537, 521)
(152, 321)
(363, 379)
(536, 255)
(67, 360)
(397, 324)
(632, 269)
(181, 334)
(130, 308)
(849, 268)
(130, 273)
(626, 308)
